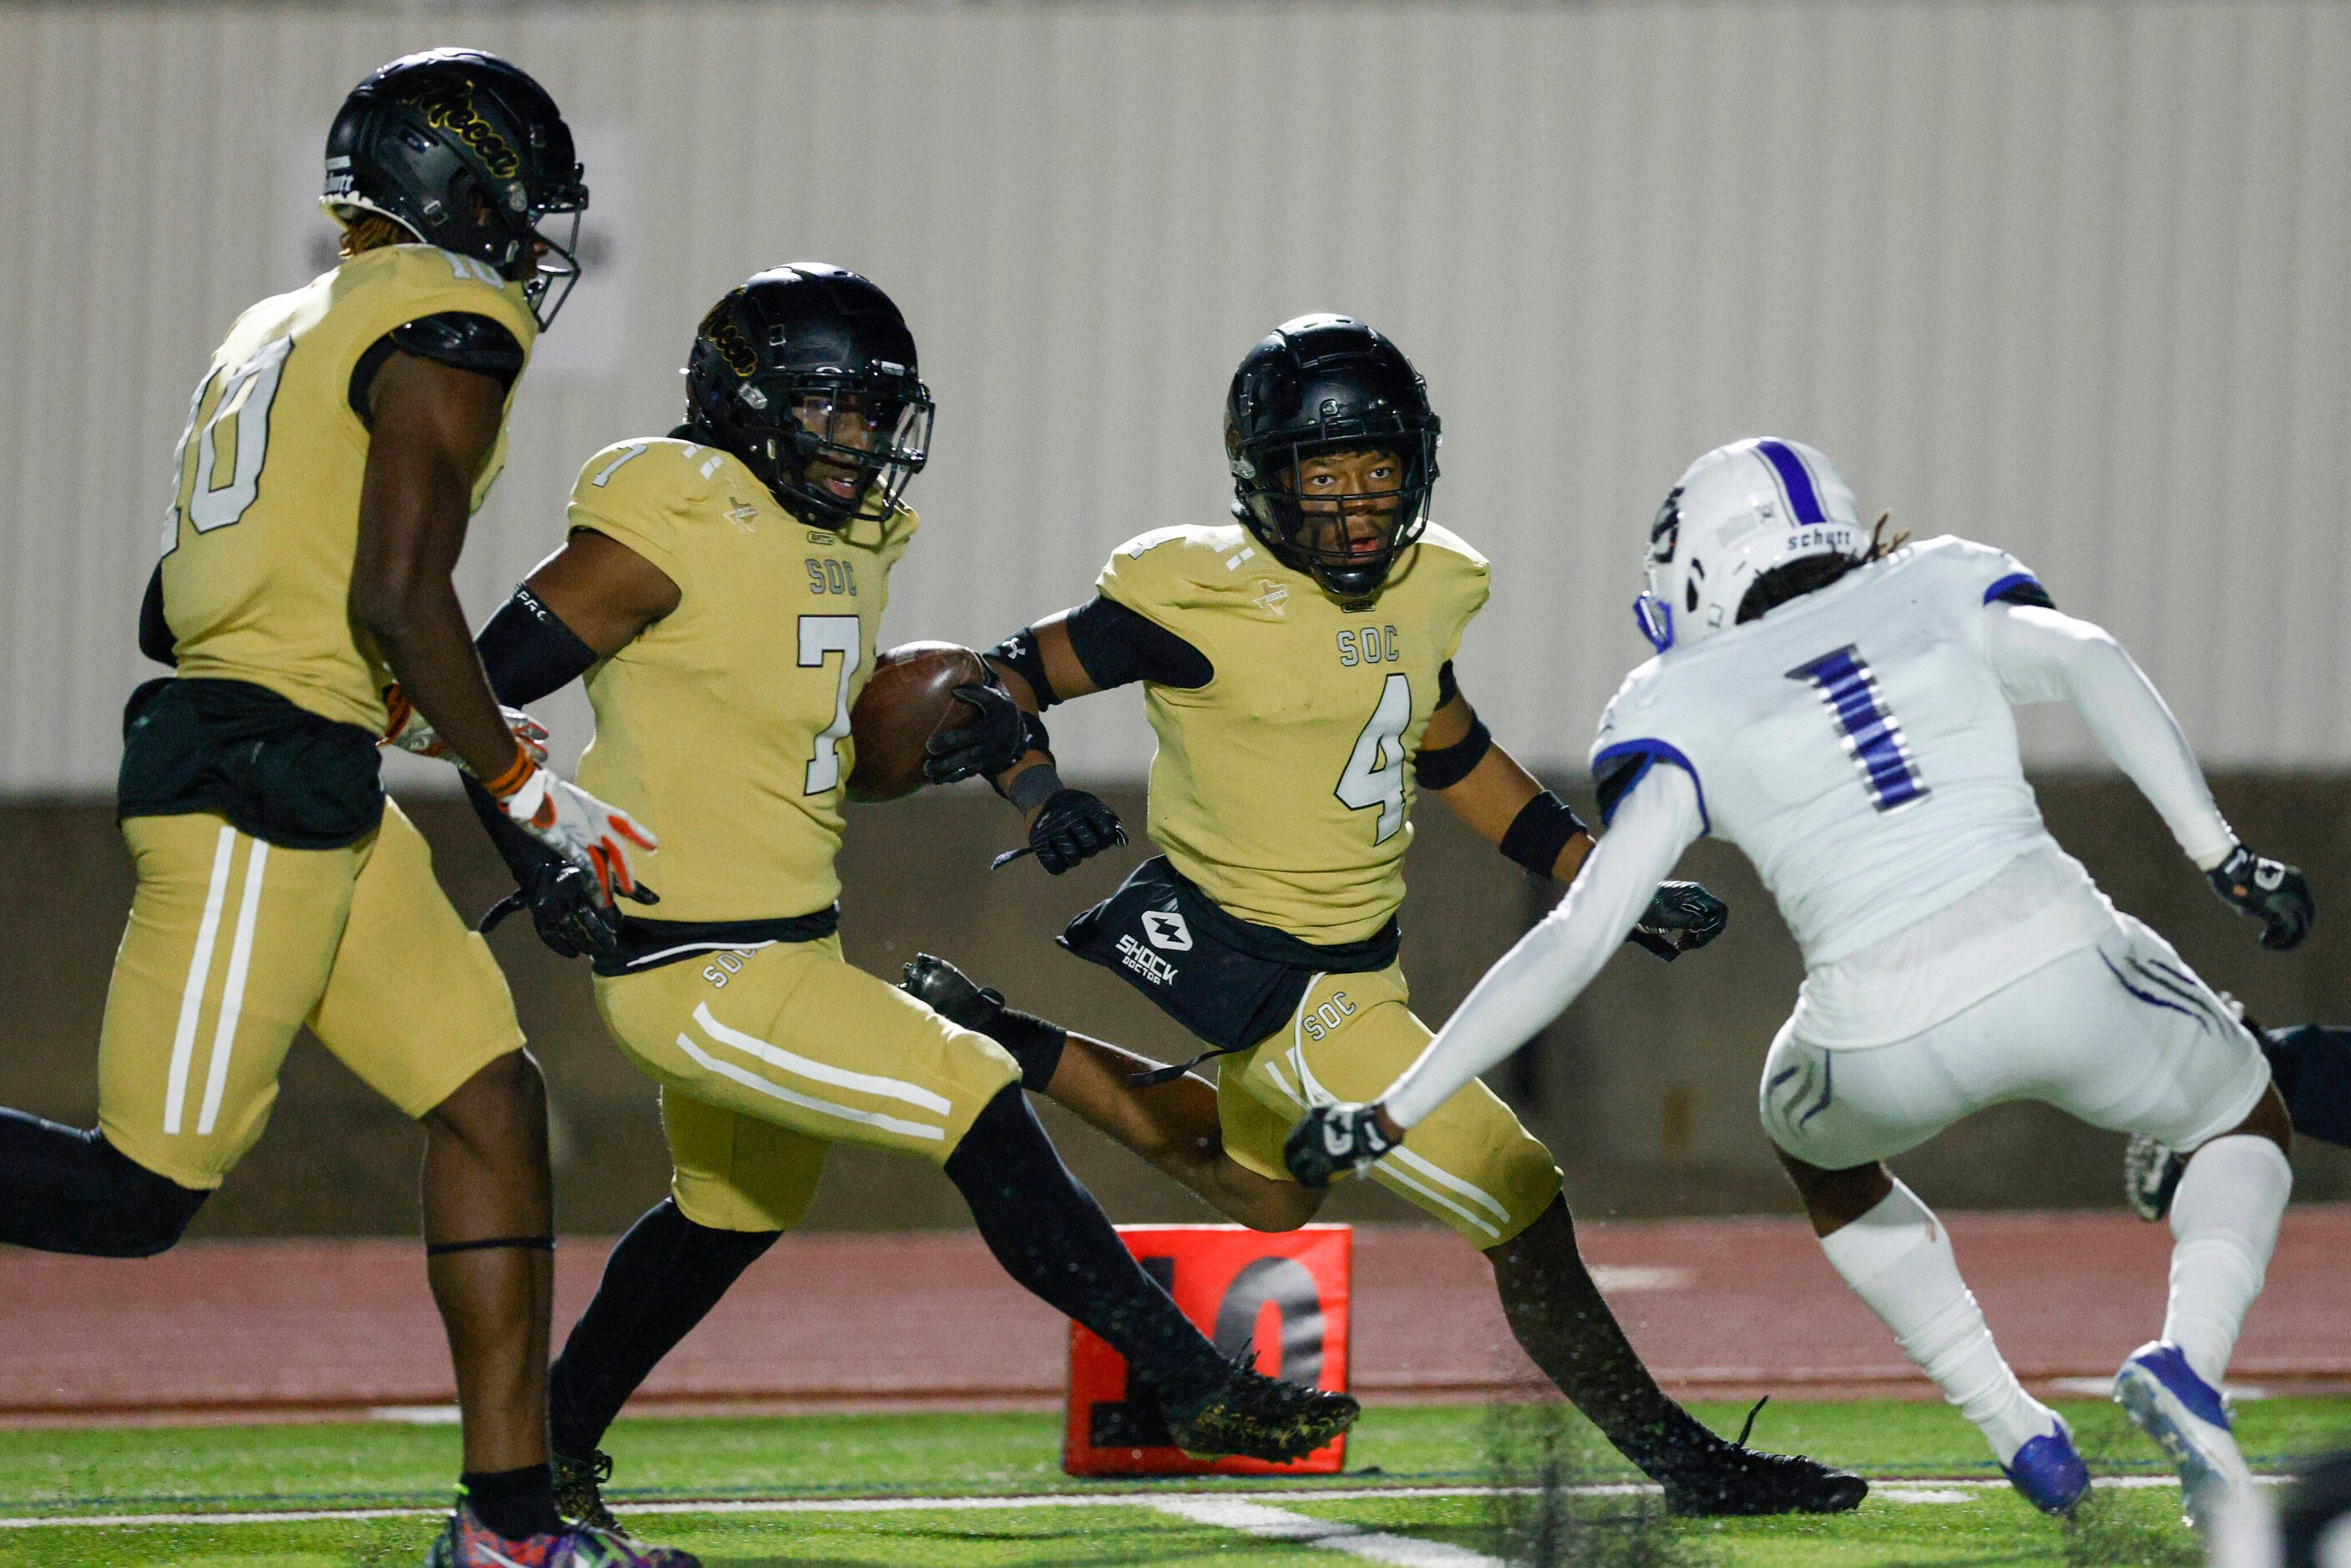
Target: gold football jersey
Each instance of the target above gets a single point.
(1284, 786)
(724, 726)
(263, 523)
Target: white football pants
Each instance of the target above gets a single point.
(2121, 1034)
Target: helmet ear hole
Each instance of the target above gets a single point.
(1689, 597)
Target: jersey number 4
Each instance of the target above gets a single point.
(1873, 736)
(221, 452)
(1374, 774)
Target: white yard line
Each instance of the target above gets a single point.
(1890, 1488)
(1281, 1524)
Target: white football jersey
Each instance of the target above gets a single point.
(1855, 742)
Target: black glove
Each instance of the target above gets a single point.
(563, 905)
(996, 738)
(1070, 829)
(2272, 892)
(1333, 1140)
(1682, 918)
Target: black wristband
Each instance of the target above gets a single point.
(1018, 653)
(1448, 766)
(1033, 787)
(528, 653)
(1539, 832)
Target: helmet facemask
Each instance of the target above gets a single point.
(1343, 529)
(833, 446)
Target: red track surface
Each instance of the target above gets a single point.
(263, 1330)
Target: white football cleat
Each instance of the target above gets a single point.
(2165, 1400)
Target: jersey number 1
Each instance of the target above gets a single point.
(821, 637)
(1873, 736)
(1374, 774)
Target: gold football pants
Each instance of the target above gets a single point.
(768, 1056)
(235, 943)
(1472, 1164)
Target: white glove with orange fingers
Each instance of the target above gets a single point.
(408, 730)
(574, 824)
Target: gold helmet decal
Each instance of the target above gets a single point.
(720, 328)
(449, 107)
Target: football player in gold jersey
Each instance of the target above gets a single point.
(721, 589)
(337, 442)
(1297, 669)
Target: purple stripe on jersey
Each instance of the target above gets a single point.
(1650, 752)
(1796, 477)
(2013, 580)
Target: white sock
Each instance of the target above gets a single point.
(1897, 1259)
(2225, 1217)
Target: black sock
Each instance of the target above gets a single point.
(517, 1504)
(663, 1278)
(1034, 1043)
(64, 1189)
(1050, 1234)
(2311, 1066)
(1566, 1328)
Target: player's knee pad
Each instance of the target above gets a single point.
(140, 1213)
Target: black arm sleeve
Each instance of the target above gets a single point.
(524, 855)
(155, 639)
(1117, 646)
(528, 653)
(453, 337)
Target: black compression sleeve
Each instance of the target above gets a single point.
(453, 337)
(1018, 653)
(528, 653)
(1539, 832)
(155, 639)
(1444, 767)
(1117, 646)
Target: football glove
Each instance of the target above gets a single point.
(996, 738)
(569, 918)
(2272, 892)
(578, 826)
(1682, 918)
(1071, 828)
(1333, 1140)
(407, 730)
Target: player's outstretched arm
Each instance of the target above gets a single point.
(1461, 763)
(2042, 655)
(585, 602)
(1526, 988)
(1040, 666)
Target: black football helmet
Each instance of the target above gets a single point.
(468, 152)
(807, 373)
(1321, 384)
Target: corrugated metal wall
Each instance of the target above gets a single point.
(2071, 276)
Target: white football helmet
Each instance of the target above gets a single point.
(1738, 512)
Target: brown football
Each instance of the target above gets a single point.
(910, 698)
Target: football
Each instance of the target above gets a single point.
(909, 698)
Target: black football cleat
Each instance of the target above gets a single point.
(1736, 1480)
(579, 1491)
(1260, 1418)
(1729, 1480)
(950, 993)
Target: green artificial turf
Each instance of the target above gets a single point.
(333, 1467)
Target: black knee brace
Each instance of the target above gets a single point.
(64, 1189)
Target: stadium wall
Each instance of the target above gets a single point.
(2071, 276)
(1645, 1089)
